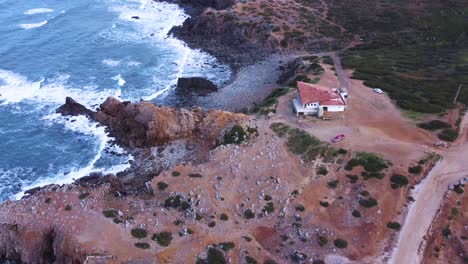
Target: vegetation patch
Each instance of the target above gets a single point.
(340, 243)
(394, 225)
(370, 161)
(322, 170)
(195, 175)
(163, 239)
(398, 181)
(177, 202)
(448, 134)
(139, 233)
(142, 245)
(84, 196)
(322, 241)
(415, 169)
(352, 178)
(224, 217)
(434, 125)
(175, 174)
(368, 202)
(269, 208)
(111, 213)
(236, 136)
(162, 185)
(333, 184)
(300, 208)
(226, 246)
(324, 204)
(356, 213)
(249, 214)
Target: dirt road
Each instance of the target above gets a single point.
(428, 197)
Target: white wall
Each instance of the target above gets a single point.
(335, 108)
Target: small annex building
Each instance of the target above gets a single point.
(312, 99)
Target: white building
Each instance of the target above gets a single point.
(314, 99)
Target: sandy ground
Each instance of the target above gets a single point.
(428, 197)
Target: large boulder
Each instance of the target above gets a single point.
(195, 85)
(72, 108)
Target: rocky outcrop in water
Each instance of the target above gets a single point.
(195, 85)
(146, 124)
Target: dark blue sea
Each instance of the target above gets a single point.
(89, 50)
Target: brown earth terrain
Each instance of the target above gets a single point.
(255, 200)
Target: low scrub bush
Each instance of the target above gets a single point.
(111, 213)
(224, 217)
(434, 125)
(394, 225)
(139, 233)
(324, 204)
(340, 243)
(175, 173)
(371, 162)
(322, 170)
(352, 178)
(356, 213)
(322, 240)
(236, 135)
(415, 169)
(269, 208)
(142, 245)
(163, 239)
(162, 185)
(333, 184)
(448, 135)
(398, 180)
(249, 214)
(226, 246)
(368, 202)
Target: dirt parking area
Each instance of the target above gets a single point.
(371, 123)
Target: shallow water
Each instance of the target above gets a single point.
(88, 50)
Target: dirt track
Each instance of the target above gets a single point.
(428, 197)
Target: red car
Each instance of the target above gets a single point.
(338, 138)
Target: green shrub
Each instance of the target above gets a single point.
(164, 238)
(175, 173)
(249, 214)
(111, 213)
(458, 189)
(371, 162)
(267, 197)
(83, 196)
(340, 243)
(322, 240)
(399, 180)
(415, 169)
(226, 246)
(224, 217)
(333, 184)
(448, 135)
(47, 200)
(236, 135)
(178, 222)
(434, 125)
(269, 261)
(212, 224)
(446, 232)
(342, 151)
(177, 202)
(324, 204)
(356, 213)
(250, 260)
(300, 141)
(195, 175)
(322, 170)
(394, 225)
(269, 207)
(142, 245)
(139, 233)
(352, 178)
(162, 185)
(364, 193)
(300, 208)
(368, 202)
(68, 207)
(327, 60)
(215, 256)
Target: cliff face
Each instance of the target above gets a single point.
(147, 125)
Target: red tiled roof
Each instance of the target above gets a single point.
(313, 93)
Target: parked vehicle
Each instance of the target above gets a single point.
(378, 90)
(338, 138)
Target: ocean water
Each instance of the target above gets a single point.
(89, 50)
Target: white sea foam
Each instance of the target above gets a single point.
(111, 62)
(38, 11)
(34, 25)
(16, 88)
(120, 80)
(82, 125)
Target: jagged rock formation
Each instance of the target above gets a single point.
(146, 124)
(195, 85)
